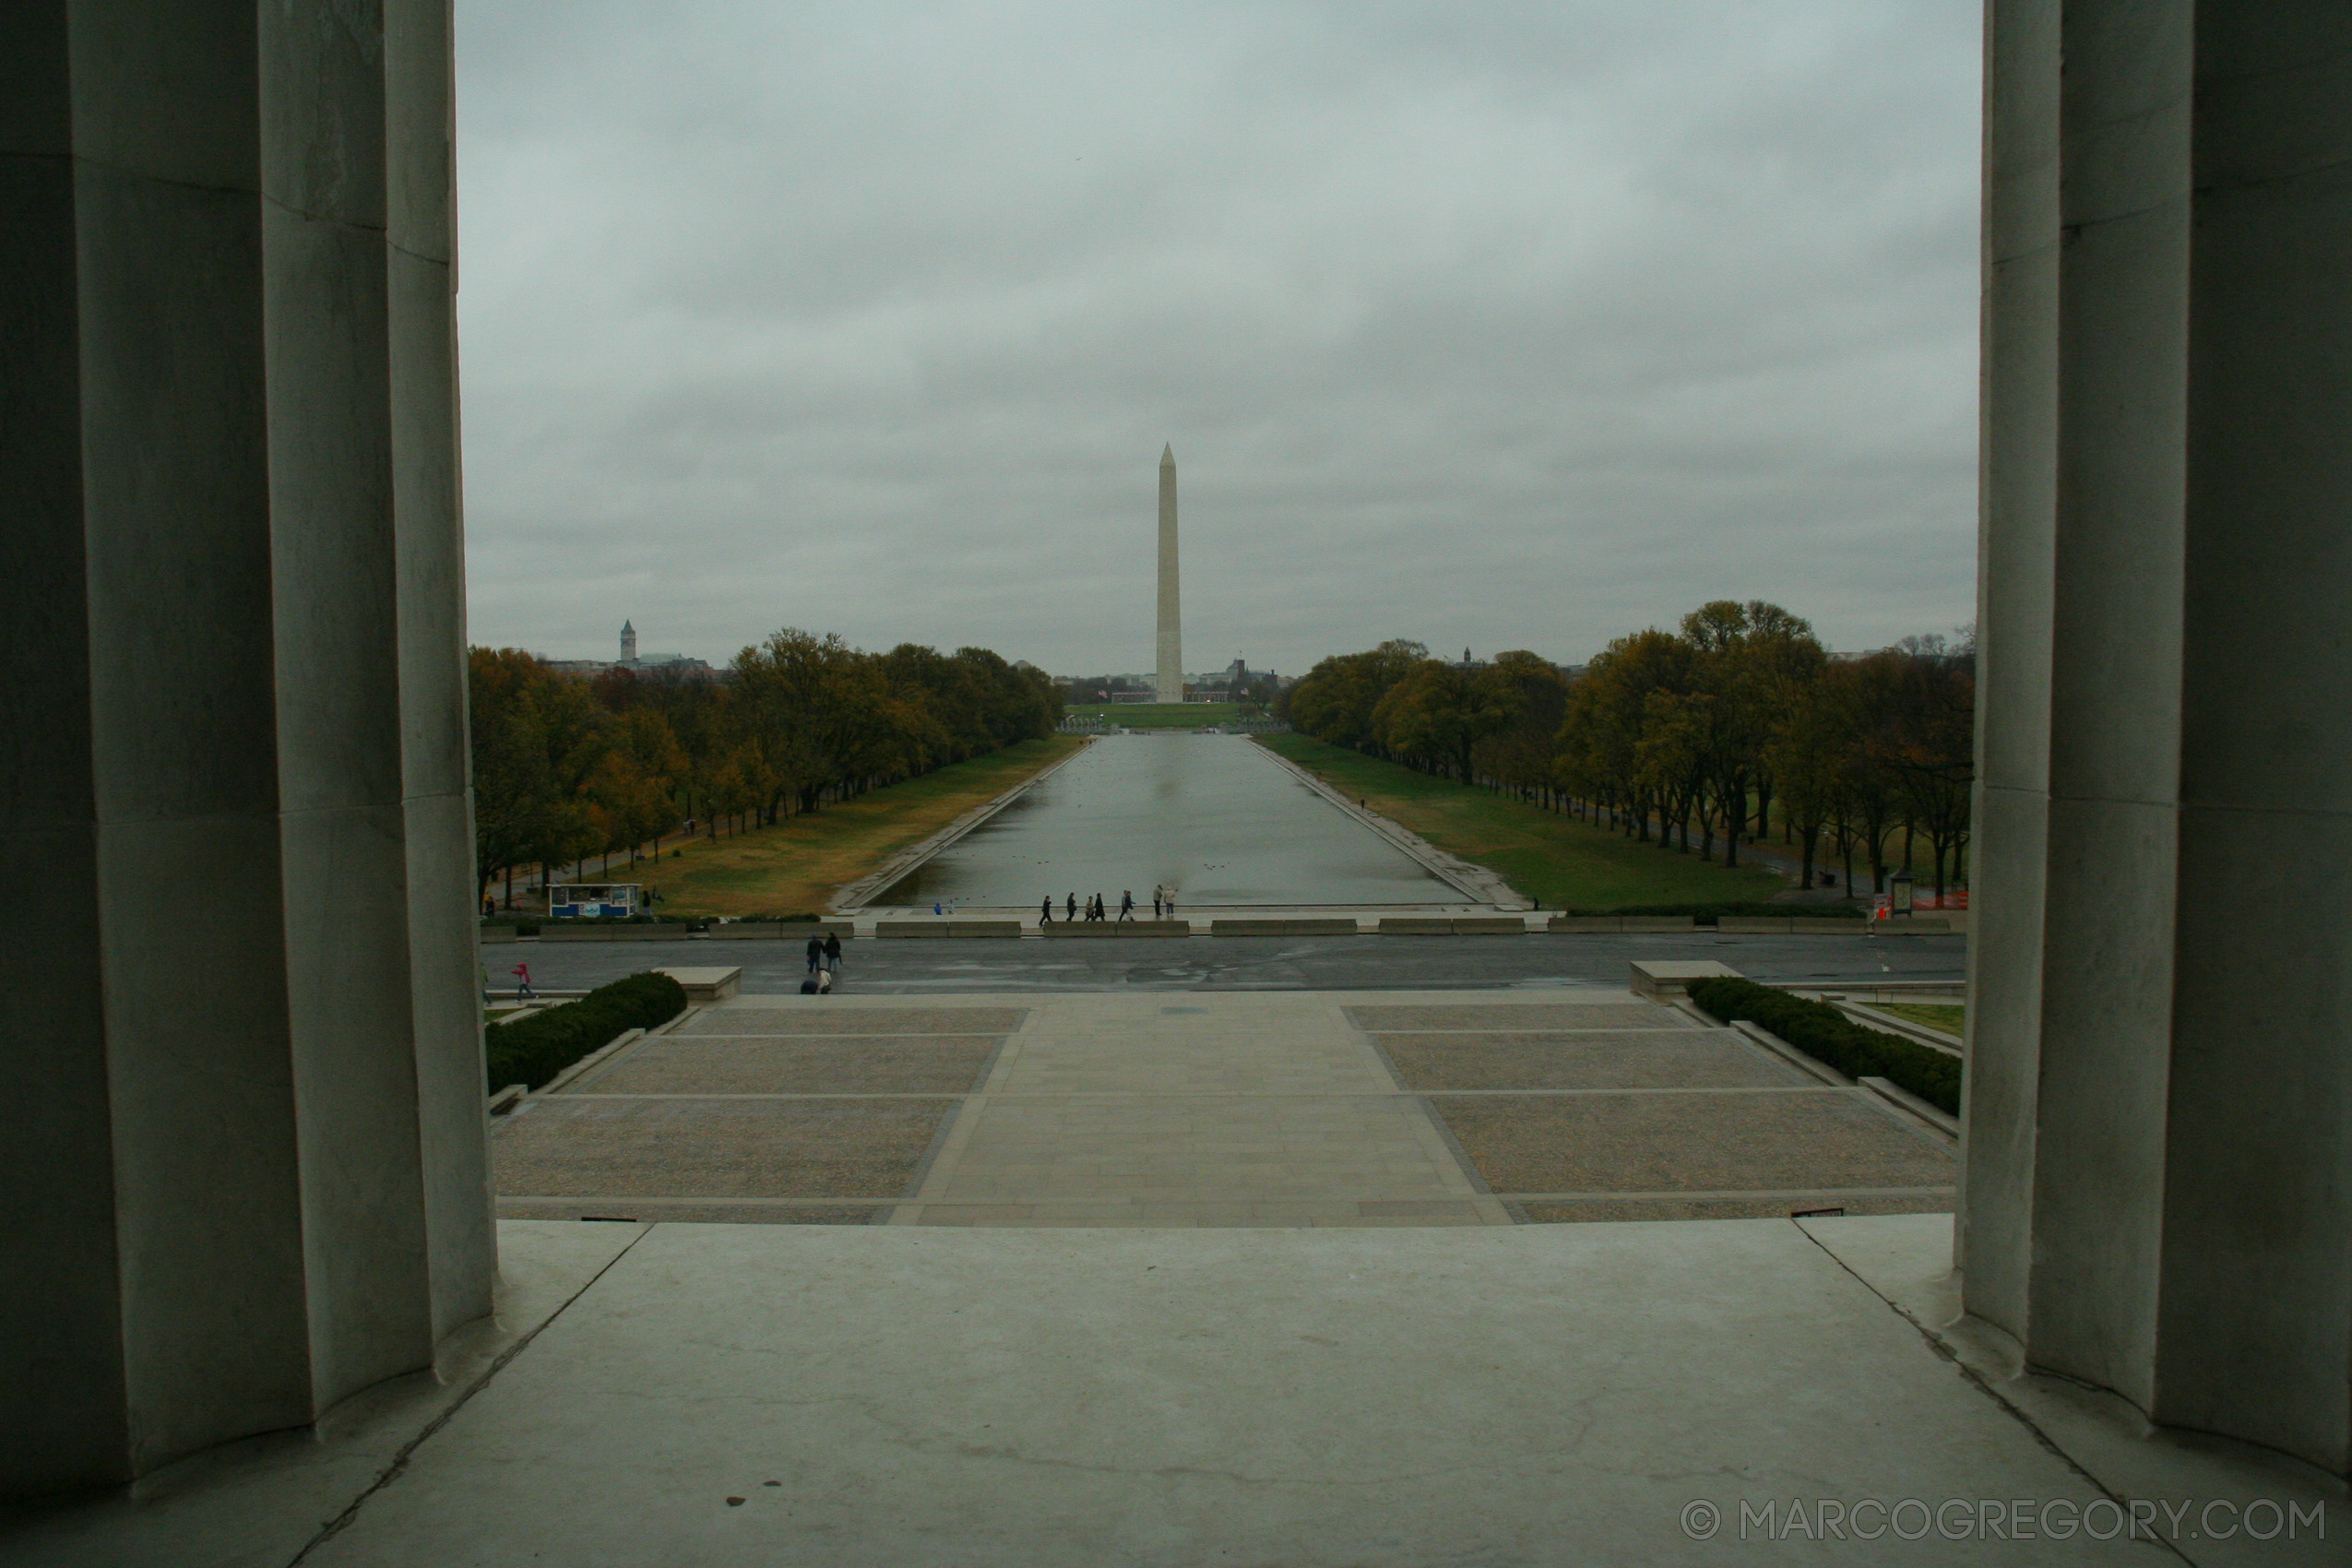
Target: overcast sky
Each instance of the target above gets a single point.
(1491, 325)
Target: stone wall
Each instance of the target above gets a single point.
(2160, 1061)
(240, 959)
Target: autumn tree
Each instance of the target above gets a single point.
(1533, 699)
(1437, 715)
(1334, 700)
(537, 739)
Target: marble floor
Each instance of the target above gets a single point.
(901, 1396)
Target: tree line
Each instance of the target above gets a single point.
(567, 766)
(1735, 720)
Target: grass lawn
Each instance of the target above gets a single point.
(796, 866)
(1158, 714)
(1555, 859)
(1948, 1016)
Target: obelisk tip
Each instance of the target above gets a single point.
(1168, 456)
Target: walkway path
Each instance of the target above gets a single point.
(1263, 1110)
(1208, 1108)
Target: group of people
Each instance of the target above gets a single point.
(1163, 906)
(825, 962)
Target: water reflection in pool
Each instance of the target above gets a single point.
(1213, 816)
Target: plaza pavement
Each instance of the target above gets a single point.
(1301, 1109)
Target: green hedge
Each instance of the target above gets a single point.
(1706, 912)
(1823, 1032)
(532, 1051)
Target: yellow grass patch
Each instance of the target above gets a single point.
(796, 866)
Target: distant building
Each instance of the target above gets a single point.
(1237, 680)
(631, 660)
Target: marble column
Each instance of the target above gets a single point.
(236, 970)
(2158, 1180)
(1170, 678)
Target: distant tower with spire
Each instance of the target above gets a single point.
(1169, 676)
(628, 644)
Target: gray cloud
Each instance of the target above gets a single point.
(1506, 325)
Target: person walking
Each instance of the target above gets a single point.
(523, 992)
(1045, 911)
(1070, 910)
(1172, 903)
(1126, 905)
(832, 964)
(816, 950)
(1155, 900)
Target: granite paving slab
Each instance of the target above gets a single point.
(1519, 1016)
(889, 1064)
(1603, 1210)
(820, 1017)
(697, 1213)
(1652, 1059)
(1665, 1143)
(1195, 1148)
(1241, 1213)
(592, 1146)
(1554, 1395)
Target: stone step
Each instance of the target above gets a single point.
(1457, 925)
(1116, 928)
(793, 931)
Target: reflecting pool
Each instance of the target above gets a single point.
(1213, 816)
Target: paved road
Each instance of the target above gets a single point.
(1248, 963)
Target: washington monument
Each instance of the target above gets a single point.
(1171, 630)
